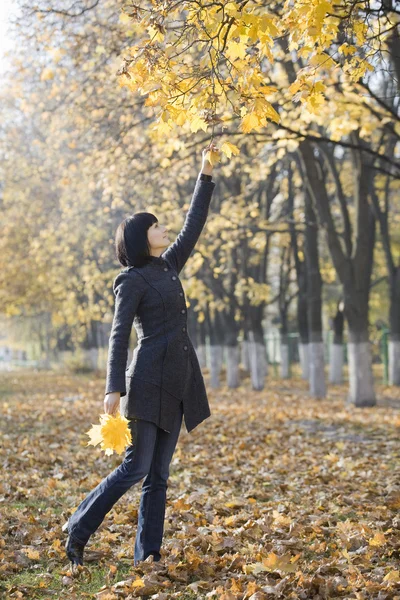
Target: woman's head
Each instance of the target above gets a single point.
(138, 237)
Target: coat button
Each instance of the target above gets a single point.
(173, 277)
(183, 310)
(181, 293)
(183, 328)
(165, 268)
(185, 347)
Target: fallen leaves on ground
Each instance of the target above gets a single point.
(277, 495)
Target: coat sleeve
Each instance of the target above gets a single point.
(178, 253)
(128, 290)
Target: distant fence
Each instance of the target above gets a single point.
(379, 348)
(97, 358)
(13, 364)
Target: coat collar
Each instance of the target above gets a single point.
(157, 260)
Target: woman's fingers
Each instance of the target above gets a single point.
(111, 405)
(211, 146)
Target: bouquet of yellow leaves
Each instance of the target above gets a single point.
(113, 433)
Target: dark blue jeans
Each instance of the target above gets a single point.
(149, 456)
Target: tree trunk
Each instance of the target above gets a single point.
(245, 351)
(304, 360)
(314, 304)
(354, 271)
(361, 391)
(232, 350)
(336, 360)
(232, 365)
(336, 363)
(301, 275)
(201, 349)
(357, 290)
(394, 340)
(216, 348)
(285, 359)
(257, 358)
(284, 303)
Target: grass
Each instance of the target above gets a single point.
(53, 581)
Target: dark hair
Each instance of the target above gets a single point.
(131, 244)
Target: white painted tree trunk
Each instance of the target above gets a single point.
(232, 366)
(216, 356)
(394, 362)
(304, 361)
(201, 352)
(258, 363)
(93, 357)
(361, 391)
(245, 355)
(317, 369)
(336, 361)
(284, 367)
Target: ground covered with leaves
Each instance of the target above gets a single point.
(275, 496)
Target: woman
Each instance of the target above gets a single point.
(162, 384)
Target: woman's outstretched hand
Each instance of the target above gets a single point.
(111, 403)
(207, 167)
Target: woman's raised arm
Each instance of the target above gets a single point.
(180, 250)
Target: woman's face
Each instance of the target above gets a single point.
(157, 236)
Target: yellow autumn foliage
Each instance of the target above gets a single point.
(113, 434)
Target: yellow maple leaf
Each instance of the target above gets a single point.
(213, 157)
(322, 60)
(31, 553)
(228, 149)
(155, 33)
(113, 434)
(235, 50)
(281, 563)
(321, 8)
(346, 554)
(392, 576)
(250, 122)
(267, 89)
(161, 127)
(116, 433)
(180, 117)
(198, 123)
(360, 30)
(180, 504)
(271, 560)
(149, 86)
(347, 49)
(260, 106)
(267, 24)
(95, 435)
(378, 539)
(281, 519)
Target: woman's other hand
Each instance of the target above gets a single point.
(207, 167)
(111, 403)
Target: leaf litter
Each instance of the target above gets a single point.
(277, 495)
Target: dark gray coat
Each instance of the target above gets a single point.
(152, 299)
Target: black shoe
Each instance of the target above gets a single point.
(74, 550)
